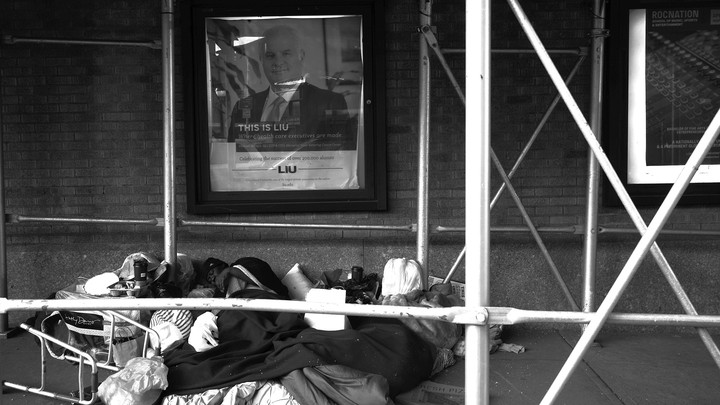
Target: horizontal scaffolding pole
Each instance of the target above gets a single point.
(558, 229)
(578, 229)
(513, 316)
(574, 229)
(11, 40)
(11, 218)
(457, 315)
(662, 232)
(574, 51)
(408, 228)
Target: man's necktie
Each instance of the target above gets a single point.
(276, 110)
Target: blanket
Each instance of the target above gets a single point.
(256, 345)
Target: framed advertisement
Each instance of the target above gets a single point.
(284, 106)
(663, 87)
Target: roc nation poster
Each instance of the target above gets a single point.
(285, 103)
(673, 91)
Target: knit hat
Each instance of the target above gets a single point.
(201, 277)
(262, 273)
(182, 318)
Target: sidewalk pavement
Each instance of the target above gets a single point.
(648, 368)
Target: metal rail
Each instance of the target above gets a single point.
(407, 228)
(14, 219)
(460, 315)
(576, 51)
(168, 73)
(477, 198)
(650, 233)
(425, 7)
(506, 183)
(4, 326)
(12, 40)
(467, 315)
(575, 229)
(593, 169)
(474, 315)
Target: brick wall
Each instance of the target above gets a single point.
(82, 133)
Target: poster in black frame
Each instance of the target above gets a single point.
(662, 89)
(324, 62)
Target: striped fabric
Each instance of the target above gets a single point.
(182, 318)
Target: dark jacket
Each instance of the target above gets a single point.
(312, 110)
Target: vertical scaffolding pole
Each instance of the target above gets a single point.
(477, 197)
(424, 144)
(168, 32)
(593, 179)
(3, 259)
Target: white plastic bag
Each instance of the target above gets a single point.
(140, 383)
(204, 332)
(401, 276)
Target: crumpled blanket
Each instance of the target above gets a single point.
(336, 384)
(256, 345)
(442, 334)
(239, 394)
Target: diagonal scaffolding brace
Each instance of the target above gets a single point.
(649, 233)
(433, 44)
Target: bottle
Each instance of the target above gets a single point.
(356, 273)
(140, 266)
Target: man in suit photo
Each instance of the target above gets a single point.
(298, 106)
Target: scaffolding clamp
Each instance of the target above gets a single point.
(599, 33)
(472, 316)
(429, 33)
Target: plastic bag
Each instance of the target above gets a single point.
(440, 333)
(401, 276)
(204, 332)
(183, 275)
(126, 271)
(140, 383)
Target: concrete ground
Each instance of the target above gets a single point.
(649, 368)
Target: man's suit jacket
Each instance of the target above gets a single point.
(312, 109)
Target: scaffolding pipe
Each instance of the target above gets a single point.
(578, 230)
(614, 180)
(578, 51)
(535, 234)
(539, 127)
(556, 229)
(423, 145)
(430, 38)
(616, 183)
(168, 32)
(593, 177)
(407, 228)
(625, 276)
(11, 40)
(432, 42)
(522, 155)
(12, 218)
(477, 198)
(514, 316)
(4, 327)
(457, 315)
(690, 232)
(455, 266)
